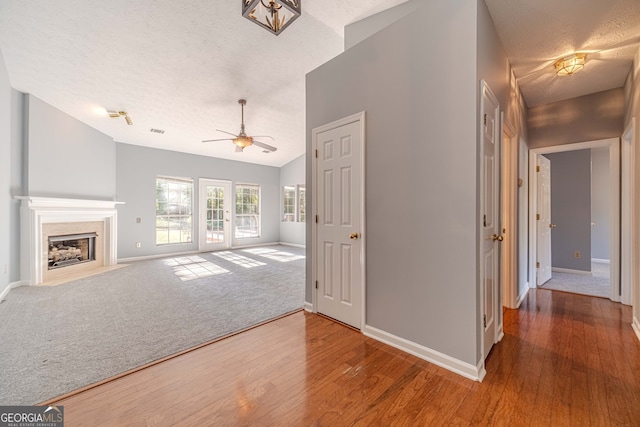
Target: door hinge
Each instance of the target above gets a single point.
(538, 217)
(316, 219)
(484, 220)
(537, 168)
(485, 119)
(484, 320)
(316, 284)
(537, 265)
(316, 154)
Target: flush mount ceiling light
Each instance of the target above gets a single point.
(570, 64)
(116, 114)
(273, 15)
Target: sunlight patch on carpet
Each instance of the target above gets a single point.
(240, 260)
(275, 255)
(193, 267)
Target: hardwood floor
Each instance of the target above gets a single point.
(565, 360)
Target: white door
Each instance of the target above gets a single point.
(215, 215)
(339, 243)
(490, 221)
(543, 220)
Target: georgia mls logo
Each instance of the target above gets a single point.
(31, 416)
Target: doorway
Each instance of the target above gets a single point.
(613, 148)
(338, 267)
(215, 215)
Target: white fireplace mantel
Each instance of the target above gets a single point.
(36, 211)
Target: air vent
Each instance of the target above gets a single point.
(160, 131)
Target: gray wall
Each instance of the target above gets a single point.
(355, 32)
(67, 158)
(586, 118)
(17, 178)
(5, 174)
(137, 169)
(421, 166)
(293, 173)
(571, 209)
(600, 204)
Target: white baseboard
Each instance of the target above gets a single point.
(308, 307)
(295, 245)
(570, 271)
(253, 245)
(459, 367)
(522, 295)
(10, 286)
(636, 326)
(174, 254)
(601, 261)
(155, 256)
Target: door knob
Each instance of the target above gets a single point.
(498, 238)
(353, 236)
(552, 226)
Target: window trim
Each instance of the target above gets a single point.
(189, 230)
(237, 215)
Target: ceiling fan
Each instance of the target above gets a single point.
(242, 140)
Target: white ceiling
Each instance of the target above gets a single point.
(182, 66)
(535, 33)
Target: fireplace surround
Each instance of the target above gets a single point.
(44, 217)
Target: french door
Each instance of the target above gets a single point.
(215, 215)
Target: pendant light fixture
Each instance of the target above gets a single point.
(570, 64)
(272, 15)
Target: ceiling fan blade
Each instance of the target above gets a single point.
(239, 149)
(212, 140)
(228, 133)
(263, 136)
(263, 145)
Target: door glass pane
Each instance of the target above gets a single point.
(215, 214)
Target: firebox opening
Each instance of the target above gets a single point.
(71, 249)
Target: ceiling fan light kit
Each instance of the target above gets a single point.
(116, 114)
(272, 15)
(242, 140)
(570, 64)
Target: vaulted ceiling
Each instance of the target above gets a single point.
(182, 66)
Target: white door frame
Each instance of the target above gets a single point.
(509, 193)
(628, 212)
(614, 202)
(358, 117)
(202, 183)
(497, 306)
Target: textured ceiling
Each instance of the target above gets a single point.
(535, 33)
(175, 66)
(182, 66)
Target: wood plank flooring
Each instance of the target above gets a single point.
(565, 360)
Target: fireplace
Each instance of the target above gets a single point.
(82, 232)
(71, 249)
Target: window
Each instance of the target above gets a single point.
(289, 204)
(294, 208)
(173, 210)
(247, 211)
(302, 203)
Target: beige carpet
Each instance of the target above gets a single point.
(597, 284)
(55, 339)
